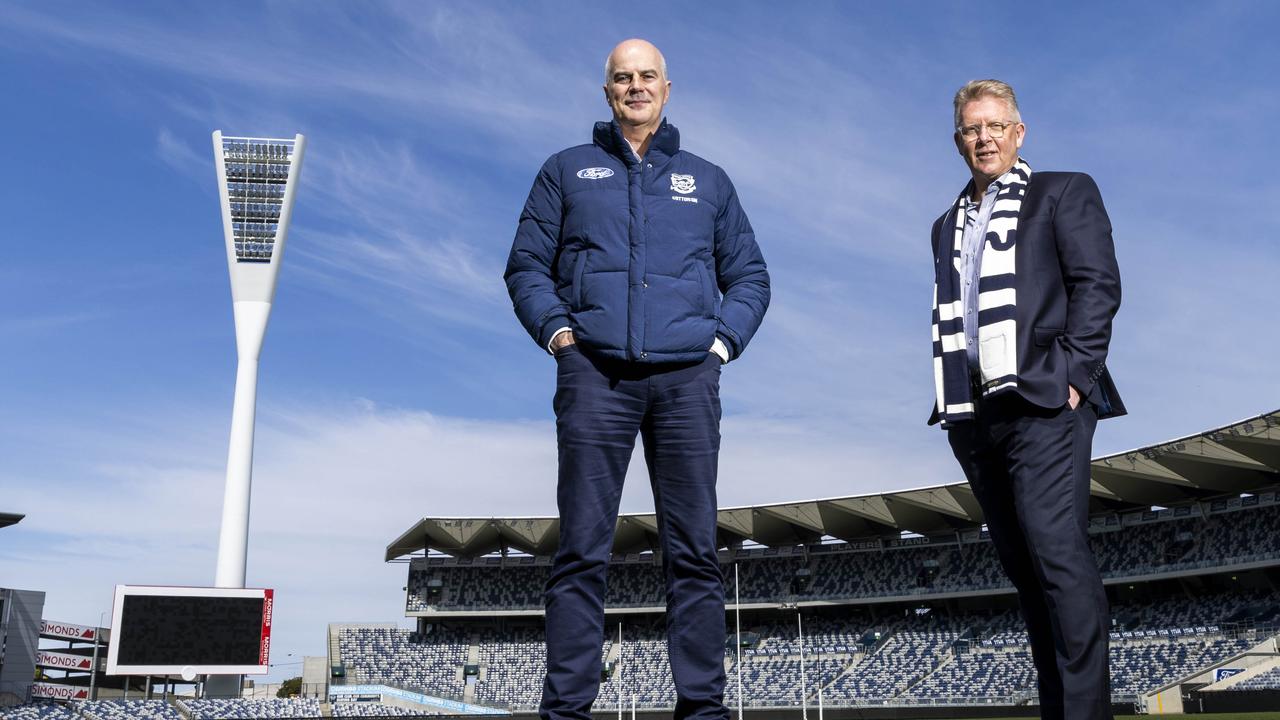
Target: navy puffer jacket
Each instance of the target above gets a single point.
(646, 260)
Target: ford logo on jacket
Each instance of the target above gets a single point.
(647, 260)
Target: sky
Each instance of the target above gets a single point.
(395, 381)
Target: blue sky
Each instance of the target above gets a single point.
(395, 380)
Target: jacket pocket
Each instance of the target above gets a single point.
(579, 265)
(708, 290)
(1044, 336)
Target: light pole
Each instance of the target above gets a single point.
(804, 701)
(93, 668)
(821, 681)
(618, 670)
(257, 179)
(737, 618)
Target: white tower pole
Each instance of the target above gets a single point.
(233, 541)
(257, 178)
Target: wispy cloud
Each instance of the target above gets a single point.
(182, 157)
(14, 326)
(426, 124)
(332, 487)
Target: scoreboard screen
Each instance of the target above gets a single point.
(184, 631)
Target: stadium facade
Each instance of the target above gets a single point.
(889, 605)
(901, 601)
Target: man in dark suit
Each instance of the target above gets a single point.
(1026, 286)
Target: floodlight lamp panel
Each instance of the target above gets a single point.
(256, 179)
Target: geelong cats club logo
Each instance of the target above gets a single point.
(682, 184)
(595, 173)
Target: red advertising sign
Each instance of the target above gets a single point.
(268, 603)
(49, 691)
(67, 631)
(63, 661)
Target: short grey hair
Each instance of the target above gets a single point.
(608, 67)
(978, 89)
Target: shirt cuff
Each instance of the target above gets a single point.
(551, 343)
(718, 347)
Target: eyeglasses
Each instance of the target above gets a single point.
(994, 130)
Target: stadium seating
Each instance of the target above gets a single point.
(978, 676)
(1138, 666)
(228, 709)
(1269, 680)
(37, 711)
(374, 710)
(859, 653)
(841, 573)
(129, 710)
(402, 659)
(856, 655)
(903, 658)
(513, 666)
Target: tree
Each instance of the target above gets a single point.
(290, 688)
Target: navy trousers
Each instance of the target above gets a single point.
(600, 407)
(1029, 468)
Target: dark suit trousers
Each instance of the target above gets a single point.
(600, 408)
(1029, 468)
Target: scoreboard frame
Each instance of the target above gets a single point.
(188, 670)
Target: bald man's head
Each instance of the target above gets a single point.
(630, 46)
(636, 85)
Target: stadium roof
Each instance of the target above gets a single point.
(7, 519)
(1239, 458)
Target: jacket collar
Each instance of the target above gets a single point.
(665, 143)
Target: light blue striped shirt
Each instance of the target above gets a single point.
(976, 217)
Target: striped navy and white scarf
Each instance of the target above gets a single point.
(997, 301)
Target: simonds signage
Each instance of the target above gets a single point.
(49, 691)
(67, 631)
(62, 661)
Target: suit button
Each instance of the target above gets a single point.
(644, 354)
(645, 284)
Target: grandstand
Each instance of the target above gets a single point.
(901, 593)
(899, 597)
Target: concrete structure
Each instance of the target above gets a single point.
(20, 612)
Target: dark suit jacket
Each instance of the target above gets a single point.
(1068, 289)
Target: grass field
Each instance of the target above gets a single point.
(1201, 716)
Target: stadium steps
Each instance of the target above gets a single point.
(855, 660)
(851, 661)
(473, 658)
(1268, 650)
(1162, 694)
(947, 659)
(180, 707)
(335, 650)
(1258, 669)
(613, 653)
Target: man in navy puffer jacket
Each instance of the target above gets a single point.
(635, 266)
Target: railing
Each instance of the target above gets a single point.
(364, 679)
(1148, 571)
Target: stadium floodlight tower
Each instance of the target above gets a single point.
(257, 178)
